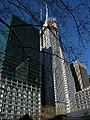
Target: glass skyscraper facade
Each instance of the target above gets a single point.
(20, 76)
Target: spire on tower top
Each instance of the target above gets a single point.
(41, 12)
(46, 12)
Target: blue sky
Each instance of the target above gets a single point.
(68, 26)
(86, 57)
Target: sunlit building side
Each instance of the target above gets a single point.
(58, 87)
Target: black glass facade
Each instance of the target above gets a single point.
(22, 48)
(20, 79)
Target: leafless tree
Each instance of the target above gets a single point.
(73, 20)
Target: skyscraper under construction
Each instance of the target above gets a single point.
(58, 88)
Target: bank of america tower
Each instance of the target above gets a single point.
(58, 88)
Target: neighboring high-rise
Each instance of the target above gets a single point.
(80, 75)
(58, 88)
(20, 81)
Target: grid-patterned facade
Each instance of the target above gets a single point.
(20, 75)
(59, 84)
(18, 98)
(83, 99)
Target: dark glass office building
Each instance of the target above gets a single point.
(20, 81)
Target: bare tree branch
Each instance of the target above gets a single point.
(8, 26)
